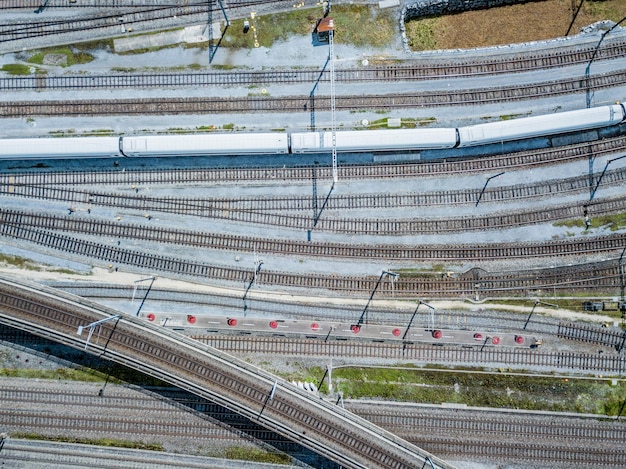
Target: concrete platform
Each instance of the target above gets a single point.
(189, 35)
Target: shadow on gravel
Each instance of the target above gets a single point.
(217, 415)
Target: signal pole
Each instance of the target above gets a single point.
(332, 100)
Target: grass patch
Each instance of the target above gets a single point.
(482, 389)
(508, 24)
(66, 374)
(99, 133)
(27, 264)
(20, 69)
(358, 25)
(420, 34)
(612, 222)
(100, 44)
(73, 56)
(145, 50)
(90, 441)
(257, 455)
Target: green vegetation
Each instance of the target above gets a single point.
(145, 50)
(90, 441)
(27, 264)
(62, 133)
(100, 44)
(73, 56)
(613, 222)
(481, 389)
(257, 455)
(99, 132)
(421, 34)
(20, 69)
(67, 374)
(358, 25)
(405, 123)
(436, 270)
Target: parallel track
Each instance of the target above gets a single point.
(583, 332)
(527, 159)
(329, 431)
(417, 353)
(430, 426)
(295, 104)
(299, 203)
(602, 276)
(26, 225)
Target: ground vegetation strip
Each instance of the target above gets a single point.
(511, 24)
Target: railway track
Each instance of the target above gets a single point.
(215, 207)
(104, 4)
(295, 104)
(230, 305)
(583, 332)
(603, 276)
(532, 453)
(257, 212)
(327, 430)
(392, 73)
(419, 424)
(272, 175)
(416, 353)
(27, 225)
(505, 424)
(107, 23)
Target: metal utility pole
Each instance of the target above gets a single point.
(95, 325)
(42, 7)
(537, 302)
(485, 187)
(432, 318)
(621, 305)
(363, 314)
(152, 279)
(593, 191)
(332, 97)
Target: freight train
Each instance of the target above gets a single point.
(268, 143)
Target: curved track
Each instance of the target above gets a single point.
(44, 228)
(494, 431)
(476, 283)
(338, 435)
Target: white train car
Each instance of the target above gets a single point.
(374, 140)
(549, 124)
(208, 144)
(59, 148)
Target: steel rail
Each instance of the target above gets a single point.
(202, 370)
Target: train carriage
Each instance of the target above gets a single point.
(272, 143)
(204, 145)
(374, 140)
(59, 148)
(548, 124)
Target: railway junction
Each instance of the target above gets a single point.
(481, 258)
